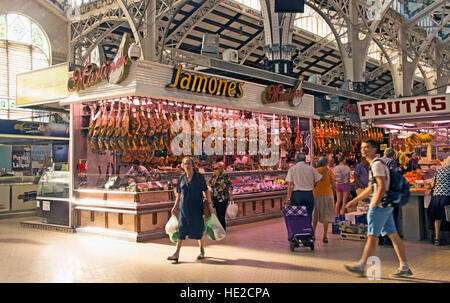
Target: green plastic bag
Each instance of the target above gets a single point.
(209, 232)
(214, 229)
(173, 237)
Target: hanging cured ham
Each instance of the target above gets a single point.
(298, 142)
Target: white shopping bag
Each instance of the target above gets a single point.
(172, 225)
(214, 224)
(232, 210)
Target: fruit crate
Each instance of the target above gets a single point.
(348, 236)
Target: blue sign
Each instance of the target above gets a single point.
(13, 127)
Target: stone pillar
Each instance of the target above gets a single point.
(355, 56)
(149, 42)
(278, 30)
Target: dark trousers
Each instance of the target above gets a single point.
(303, 198)
(221, 210)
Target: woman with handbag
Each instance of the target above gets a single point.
(189, 207)
(222, 193)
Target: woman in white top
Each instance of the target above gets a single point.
(342, 176)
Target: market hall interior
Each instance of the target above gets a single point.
(255, 252)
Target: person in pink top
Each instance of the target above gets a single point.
(342, 176)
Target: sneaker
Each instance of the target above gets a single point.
(400, 272)
(357, 269)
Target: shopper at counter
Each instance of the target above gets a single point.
(361, 175)
(188, 207)
(380, 220)
(440, 198)
(323, 199)
(342, 176)
(222, 192)
(390, 158)
(138, 171)
(301, 179)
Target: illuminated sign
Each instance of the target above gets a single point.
(277, 93)
(42, 86)
(187, 81)
(115, 72)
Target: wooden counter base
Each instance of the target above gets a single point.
(143, 221)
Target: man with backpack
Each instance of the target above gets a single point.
(380, 219)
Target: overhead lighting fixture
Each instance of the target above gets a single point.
(392, 126)
(440, 122)
(408, 124)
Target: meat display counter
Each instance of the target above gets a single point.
(139, 212)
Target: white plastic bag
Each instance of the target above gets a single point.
(214, 224)
(172, 225)
(232, 210)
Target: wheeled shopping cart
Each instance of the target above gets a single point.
(299, 227)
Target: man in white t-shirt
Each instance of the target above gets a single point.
(380, 220)
(301, 179)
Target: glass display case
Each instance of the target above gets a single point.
(54, 184)
(246, 182)
(53, 198)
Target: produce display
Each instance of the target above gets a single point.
(416, 139)
(408, 144)
(412, 176)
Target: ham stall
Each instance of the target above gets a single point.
(115, 123)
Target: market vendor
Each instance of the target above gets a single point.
(138, 171)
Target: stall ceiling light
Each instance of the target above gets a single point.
(392, 126)
(440, 122)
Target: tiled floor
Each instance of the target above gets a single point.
(257, 252)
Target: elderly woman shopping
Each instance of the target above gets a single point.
(189, 207)
(222, 192)
(440, 198)
(323, 199)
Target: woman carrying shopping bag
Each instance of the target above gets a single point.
(222, 193)
(189, 207)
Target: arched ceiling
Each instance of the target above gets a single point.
(241, 28)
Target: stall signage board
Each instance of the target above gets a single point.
(42, 86)
(14, 127)
(404, 107)
(21, 158)
(278, 93)
(187, 81)
(91, 74)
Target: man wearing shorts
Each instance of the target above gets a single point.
(380, 220)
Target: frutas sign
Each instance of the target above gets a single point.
(411, 106)
(187, 81)
(277, 93)
(91, 74)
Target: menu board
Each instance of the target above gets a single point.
(21, 158)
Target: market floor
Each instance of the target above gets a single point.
(256, 252)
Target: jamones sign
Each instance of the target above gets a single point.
(412, 106)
